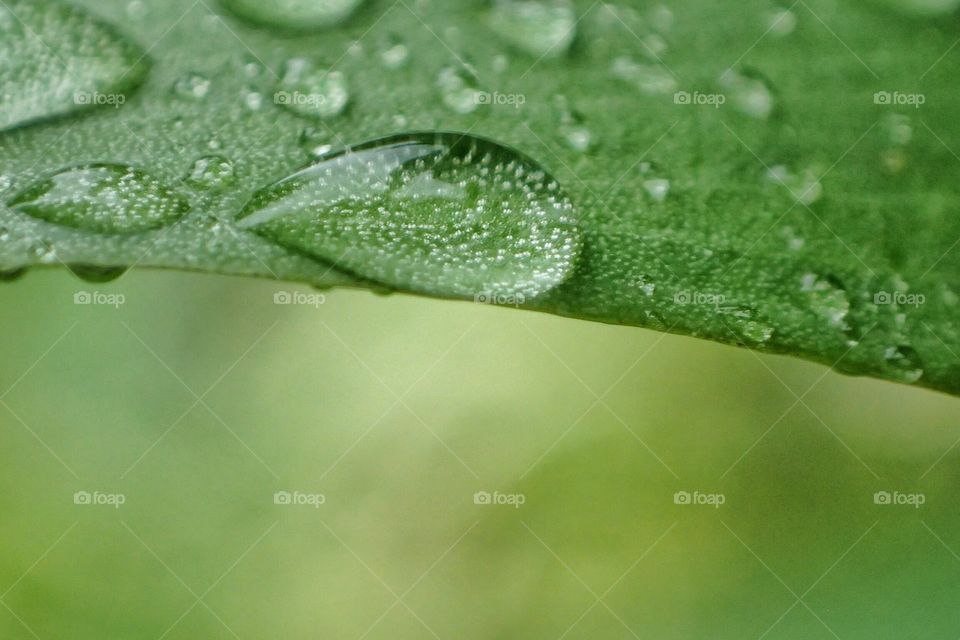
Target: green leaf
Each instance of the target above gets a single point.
(798, 195)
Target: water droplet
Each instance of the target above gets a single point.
(43, 251)
(781, 22)
(657, 188)
(805, 187)
(105, 198)
(5, 183)
(136, 9)
(542, 28)
(827, 297)
(214, 173)
(661, 18)
(898, 129)
(252, 98)
(4, 234)
(458, 88)
(572, 128)
(441, 213)
(905, 362)
(294, 15)
(743, 323)
(192, 86)
(97, 274)
(394, 53)
(649, 78)
(500, 63)
(748, 92)
(795, 242)
(312, 92)
(58, 59)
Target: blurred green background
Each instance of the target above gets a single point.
(199, 398)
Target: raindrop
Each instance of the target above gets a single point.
(458, 88)
(104, 198)
(657, 188)
(97, 274)
(214, 173)
(781, 22)
(294, 15)
(748, 92)
(394, 53)
(541, 28)
(56, 59)
(192, 86)
(438, 213)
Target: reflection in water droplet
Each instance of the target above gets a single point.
(905, 362)
(649, 78)
(105, 198)
(212, 172)
(294, 15)
(56, 59)
(748, 92)
(542, 28)
(443, 213)
(312, 92)
(97, 274)
(192, 86)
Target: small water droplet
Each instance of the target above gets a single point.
(394, 53)
(458, 88)
(312, 92)
(136, 9)
(4, 234)
(541, 28)
(5, 183)
(827, 297)
(794, 241)
(192, 86)
(805, 187)
(213, 173)
(572, 128)
(745, 325)
(748, 92)
(56, 59)
(252, 98)
(440, 213)
(97, 274)
(294, 15)
(781, 22)
(43, 252)
(105, 198)
(657, 188)
(500, 63)
(905, 362)
(649, 78)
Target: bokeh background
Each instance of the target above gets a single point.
(199, 398)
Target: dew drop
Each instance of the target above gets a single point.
(657, 188)
(192, 86)
(572, 129)
(743, 323)
(781, 22)
(312, 92)
(56, 59)
(649, 78)
(293, 15)
(104, 198)
(43, 251)
(214, 173)
(437, 213)
(394, 53)
(748, 92)
(252, 98)
(97, 274)
(541, 28)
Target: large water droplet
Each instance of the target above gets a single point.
(438, 213)
(748, 92)
(56, 59)
(294, 15)
(97, 274)
(542, 28)
(105, 198)
(312, 92)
